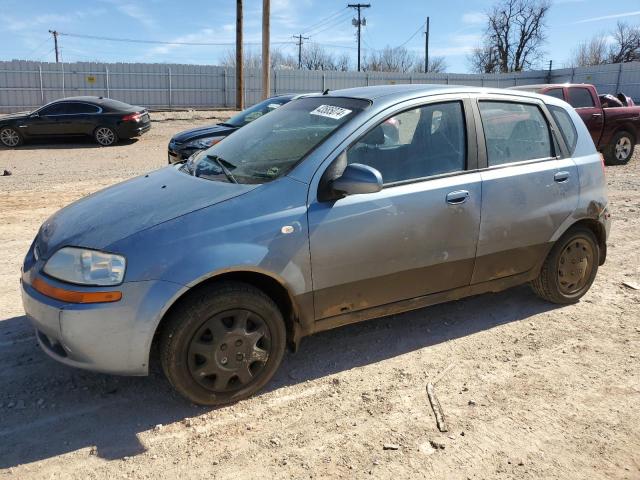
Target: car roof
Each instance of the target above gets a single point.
(396, 93)
(540, 86)
(106, 103)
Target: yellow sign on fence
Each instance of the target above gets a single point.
(91, 79)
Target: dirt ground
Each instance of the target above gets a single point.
(531, 390)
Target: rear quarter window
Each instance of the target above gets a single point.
(566, 126)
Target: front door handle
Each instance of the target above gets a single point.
(561, 177)
(457, 197)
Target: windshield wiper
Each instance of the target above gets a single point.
(228, 125)
(221, 163)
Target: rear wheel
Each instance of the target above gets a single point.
(570, 268)
(620, 151)
(105, 136)
(10, 137)
(223, 344)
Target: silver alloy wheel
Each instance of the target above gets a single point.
(9, 137)
(105, 136)
(623, 148)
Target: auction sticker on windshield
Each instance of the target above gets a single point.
(331, 111)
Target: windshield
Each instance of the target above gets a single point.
(271, 146)
(255, 112)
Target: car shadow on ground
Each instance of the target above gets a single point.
(66, 143)
(48, 409)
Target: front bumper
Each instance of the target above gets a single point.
(105, 337)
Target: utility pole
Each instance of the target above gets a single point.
(549, 71)
(266, 60)
(239, 59)
(55, 44)
(426, 48)
(300, 38)
(359, 22)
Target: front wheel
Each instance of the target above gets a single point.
(620, 151)
(570, 268)
(223, 344)
(105, 136)
(10, 137)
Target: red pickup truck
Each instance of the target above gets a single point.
(615, 130)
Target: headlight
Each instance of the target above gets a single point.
(87, 267)
(204, 142)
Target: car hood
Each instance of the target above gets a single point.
(202, 132)
(15, 116)
(130, 207)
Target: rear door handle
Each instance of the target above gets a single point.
(457, 197)
(561, 177)
(596, 115)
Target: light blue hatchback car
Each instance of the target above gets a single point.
(330, 210)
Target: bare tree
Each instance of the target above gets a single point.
(592, 52)
(390, 59)
(623, 46)
(315, 57)
(252, 59)
(436, 65)
(626, 46)
(343, 63)
(513, 37)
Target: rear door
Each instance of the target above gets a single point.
(528, 186)
(588, 107)
(418, 234)
(80, 118)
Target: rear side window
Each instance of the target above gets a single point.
(79, 108)
(567, 128)
(580, 98)
(514, 132)
(555, 92)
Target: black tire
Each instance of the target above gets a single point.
(105, 136)
(204, 345)
(620, 150)
(570, 268)
(10, 137)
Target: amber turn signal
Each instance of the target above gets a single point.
(73, 296)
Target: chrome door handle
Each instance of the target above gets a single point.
(595, 115)
(561, 177)
(457, 197)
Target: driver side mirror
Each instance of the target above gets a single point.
(34, 115)
(357, 179)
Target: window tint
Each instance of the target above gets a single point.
(53, 109)
(567, 128)
(79, 108)
(414, 144)
(580, 98)
(555, 92)
(514, 132)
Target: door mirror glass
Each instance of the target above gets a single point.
(357, 179)
(34, 115)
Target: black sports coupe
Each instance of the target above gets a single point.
(104, 119)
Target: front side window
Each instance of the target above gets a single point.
(417, 143)
(580, 98)
(514, 132)
(255, 112)
(272, 145)
(566, 126)
(555, 92)
(53, 109)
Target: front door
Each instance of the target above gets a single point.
(49, 121)
(418, 234)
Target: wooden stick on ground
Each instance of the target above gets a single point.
(437, 409)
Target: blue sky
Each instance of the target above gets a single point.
(456, 27)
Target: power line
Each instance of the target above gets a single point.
(412, 36)
(325, 20)
(334, 23)
(161, 42)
